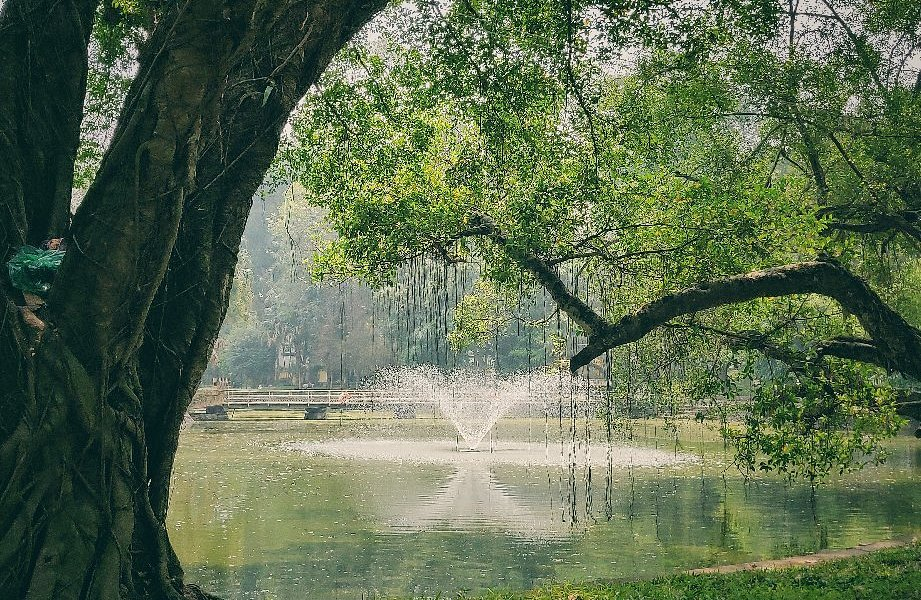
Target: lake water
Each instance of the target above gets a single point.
(347, 508)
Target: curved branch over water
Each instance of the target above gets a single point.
(896, 344)
(893, 342)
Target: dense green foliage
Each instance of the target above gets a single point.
(637, 153)
(884, 575)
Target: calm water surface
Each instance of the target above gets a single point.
(253, 518)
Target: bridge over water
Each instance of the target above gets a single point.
(216, 403)
(266, 399)
(223, 400)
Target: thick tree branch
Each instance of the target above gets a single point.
(895, 344)
(867, 221)
(581, 313)
(857, 349)
(896, 341)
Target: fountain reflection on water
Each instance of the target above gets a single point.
(474, 498)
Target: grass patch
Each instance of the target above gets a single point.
(884, 575)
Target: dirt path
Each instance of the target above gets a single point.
(806, 559)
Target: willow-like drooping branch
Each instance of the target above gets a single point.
(581, 313)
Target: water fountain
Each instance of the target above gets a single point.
(472, 401)
(473, 417)
(474, 404)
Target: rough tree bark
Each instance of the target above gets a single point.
(175, 350)
(40, 114)
(93, 401)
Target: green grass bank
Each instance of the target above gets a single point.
(893, 574)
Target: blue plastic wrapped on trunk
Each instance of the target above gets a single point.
(32, 269)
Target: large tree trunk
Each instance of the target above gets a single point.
(77, 521)
(92, 402)
(197, 286)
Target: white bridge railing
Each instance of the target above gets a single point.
(344, 398)
(238, 398)
(364, 399)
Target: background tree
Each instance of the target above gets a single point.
(744, 178)
(342, 325)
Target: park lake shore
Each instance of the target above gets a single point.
(885, 574)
